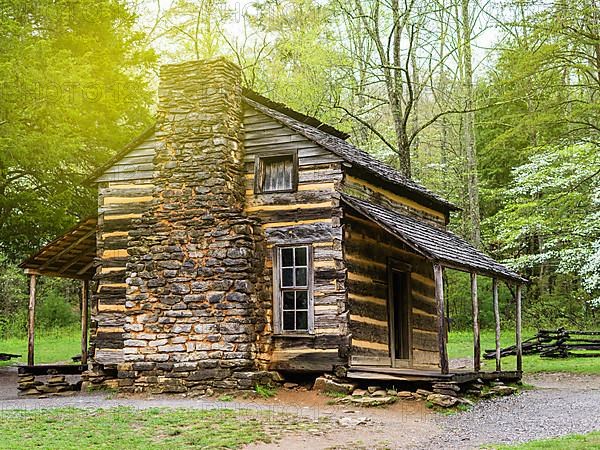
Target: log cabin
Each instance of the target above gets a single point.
(237, 237)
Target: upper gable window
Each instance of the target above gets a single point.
(276, 173)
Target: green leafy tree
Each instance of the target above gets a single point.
(195, 29)
(73, 91)
(304, 67)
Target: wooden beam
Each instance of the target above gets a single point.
(74, 261)
(86, 267)
(85, 289)
(31, 272)
(67, 248)
(55, 369)
(486, 273)
(31, 320)
(518, 330)
(393, 197)
(438, 274)
(295, 223)
(497, 321)
(475, 317)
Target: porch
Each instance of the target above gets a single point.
(439, 250)
(71, 255)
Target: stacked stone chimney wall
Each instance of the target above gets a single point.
(195, 259)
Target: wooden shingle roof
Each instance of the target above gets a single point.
(71, 255)
(436, 244)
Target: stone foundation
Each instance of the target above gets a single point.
(99, 378)
(48, 385)
(195, 257)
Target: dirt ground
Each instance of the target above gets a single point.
(560, 404)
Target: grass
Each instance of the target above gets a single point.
(52, 346)
(589, 441)
(118, 428)
(63, 344)
(265, 391)
(335, 394)
(460, 345)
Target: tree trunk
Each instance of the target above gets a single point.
(396, 93)
(469, 129)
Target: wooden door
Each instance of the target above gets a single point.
(400, 317)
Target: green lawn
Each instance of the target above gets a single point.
(460, 345)
(589, 441)
(127, 428)
(62, 345)
(50, 347)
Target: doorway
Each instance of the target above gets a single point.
(400, 308)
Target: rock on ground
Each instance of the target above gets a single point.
(445, 401)
(324, 384)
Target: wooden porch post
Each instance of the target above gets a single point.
(31, 319)
(519, 340)
(85, 289)
(497, 321)
(438, 274)
(475, 317)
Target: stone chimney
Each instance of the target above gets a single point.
(194, 256)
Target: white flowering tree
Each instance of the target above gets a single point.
(550, 226)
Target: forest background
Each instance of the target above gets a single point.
(494, 104)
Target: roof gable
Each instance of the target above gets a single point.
(352, 154)
(324, 135)
(308, 120)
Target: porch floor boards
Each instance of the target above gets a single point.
(401, 374)
(52, 369)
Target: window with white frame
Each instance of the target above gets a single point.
(293, 288)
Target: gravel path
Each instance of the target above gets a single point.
(561, 404)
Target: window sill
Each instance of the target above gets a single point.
(294, 335)
(282, 191)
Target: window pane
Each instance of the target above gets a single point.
(286, 175)
(301, 256)
(301, 299)
(287, 257)
(287, 277)
(278, 173)
(270, 176)
(301, 277)
(267, 176)
(288, 300)
(288, 320)
(302, 320)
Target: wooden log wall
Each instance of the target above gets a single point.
(357, 186)
(124, 193)
(368, 248)
(312, 214)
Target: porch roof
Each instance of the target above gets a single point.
(436, 244)
(71, 255)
